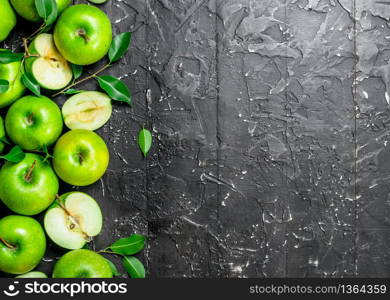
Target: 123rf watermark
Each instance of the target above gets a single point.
(338, 289)
(63, 288)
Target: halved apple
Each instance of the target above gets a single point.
(47, 65)
(87, 110)
(73, 220)
(34, 274)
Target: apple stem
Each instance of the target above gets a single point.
(28, 176)
(82, 80)
(83, 34)
(8, 245)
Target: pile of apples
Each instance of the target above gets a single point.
(29, 179)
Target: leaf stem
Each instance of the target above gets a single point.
(109, 252)
(82, 80)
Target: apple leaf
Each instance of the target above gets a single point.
(15, 155)
(73, 91)
(4, 86)
(115, 88)
(134, 267)
(47, 10)
(119, 46)
(114, 269)
(31, 84)
(7, 57)
(77, 71)
(47, 154)
(145, 141)
(129, 246)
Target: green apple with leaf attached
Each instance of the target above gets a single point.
(34, 122)
(46, 65)
(83, 34)
(34, 274)
(80, 157)
(28, 187)
(87, 110)
(8, 19)
(73, 220)
(27, 10)
(82, 263)
(22, 244)
(12, 73)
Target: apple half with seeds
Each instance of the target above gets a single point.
(73, 220)
(47, 65)
(87, 110)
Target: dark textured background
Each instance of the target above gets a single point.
(270, 122)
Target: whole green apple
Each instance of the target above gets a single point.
(8, 19)
(28, 187)
(83, 34)
(26, 8)
(33, 122)
(22, 244)
(34, 274)
(82, 263)
(11, 73)
(80, 157)
(2, 134)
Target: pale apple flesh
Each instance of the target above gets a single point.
(34, 274)
(73, 220)
(49, 68)
(87, 110)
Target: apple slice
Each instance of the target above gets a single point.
(73, 220)
(47, 65)
(34, 274)
(87, 110)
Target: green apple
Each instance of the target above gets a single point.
(82, 263)
(2, 134)
(47, 65)
(8, 19)
(34, 274)
(80, 157)
(26, 8)
(83, 34)
(12, 73)
(73, 220)
(33, 122)
(87, 110)
(28, 187)
(22, 244)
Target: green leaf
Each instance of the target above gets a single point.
(86, 246)
(31, 84)
(15, 155)
(114, 269)
(47, 10)
(4, 86)
(7, 57)
(77, 71)
(115, 88)
(119, 46)
(129, 246)
(145, 141)
(134, 267)
(47, 154)
(73, 91)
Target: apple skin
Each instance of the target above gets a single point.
(32, 122)
(26, 8)
(82, 263)
(2, 134)
(11, 73)
(80, 157)
(83, 34)
(28, 197)
(8, 19)
(29, 238)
